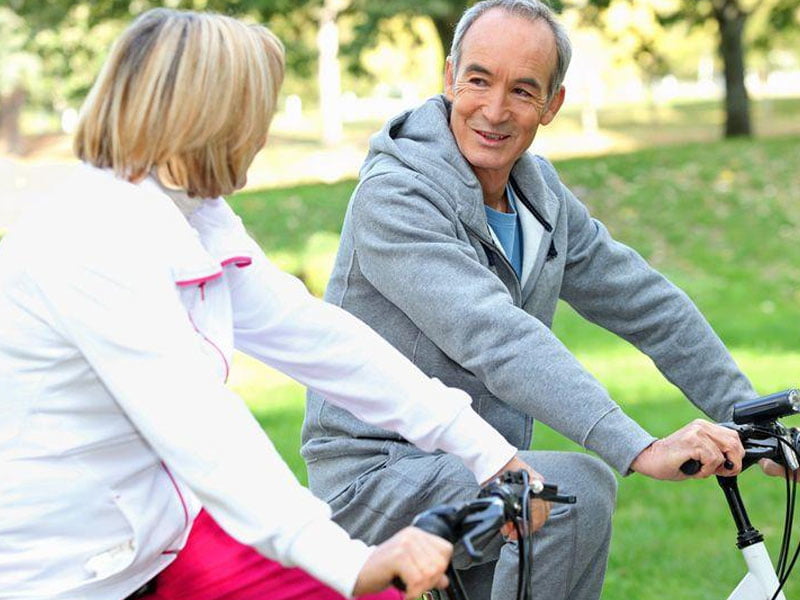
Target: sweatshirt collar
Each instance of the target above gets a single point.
(207, 237)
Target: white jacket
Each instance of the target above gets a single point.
(117, 323)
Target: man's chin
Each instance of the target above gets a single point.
(484, 163)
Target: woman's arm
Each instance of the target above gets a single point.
(329, 350)
(123, 315)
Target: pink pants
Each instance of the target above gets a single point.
(214, 566)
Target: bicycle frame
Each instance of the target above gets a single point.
(761, 581)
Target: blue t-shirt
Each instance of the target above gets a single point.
(507, 228)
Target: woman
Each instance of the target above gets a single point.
(122, 296)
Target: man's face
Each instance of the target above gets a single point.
(499, 93)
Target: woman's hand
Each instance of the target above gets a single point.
(540, 509)
(418, 558)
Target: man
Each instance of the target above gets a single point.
(456, 247)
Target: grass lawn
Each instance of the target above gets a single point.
(720, 219)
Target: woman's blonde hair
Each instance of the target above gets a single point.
(186, 95)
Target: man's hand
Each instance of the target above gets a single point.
(706, 442)
(540, 509)
(418, 558)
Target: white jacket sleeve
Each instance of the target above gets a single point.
(329, 350)
(124, 316)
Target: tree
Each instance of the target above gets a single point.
(730, 18)
(370, 14)
(62, 44)
(17, 66)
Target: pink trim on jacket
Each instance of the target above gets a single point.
(182, 499)
(212, 344)
(239, 261)
(199, 280)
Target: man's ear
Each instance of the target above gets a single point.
(449, 79)
(553, 107)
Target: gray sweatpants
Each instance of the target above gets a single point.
(570, 551)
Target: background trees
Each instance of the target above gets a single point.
(50, 50)
(729, 18)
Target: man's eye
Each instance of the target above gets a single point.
(523, 93)
(477, 81)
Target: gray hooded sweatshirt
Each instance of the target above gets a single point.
(418, 264)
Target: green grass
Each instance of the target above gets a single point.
(721, 220)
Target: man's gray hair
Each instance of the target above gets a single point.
(533, 10)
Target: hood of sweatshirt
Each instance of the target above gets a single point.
(421, 141)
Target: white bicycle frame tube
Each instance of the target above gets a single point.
(761, 581)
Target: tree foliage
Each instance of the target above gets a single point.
(730, 18)
(51, 50)
(443, 13)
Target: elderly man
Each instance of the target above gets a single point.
(456, 247)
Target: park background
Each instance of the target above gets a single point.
(681, 131)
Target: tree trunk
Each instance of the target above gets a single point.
(10, 113)
(731, 19)
(329, 75)
(444, 27)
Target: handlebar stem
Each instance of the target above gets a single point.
(747, 534)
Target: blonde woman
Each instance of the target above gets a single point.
(122, 296)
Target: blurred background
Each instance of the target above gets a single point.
(644, 72)
(680, 131)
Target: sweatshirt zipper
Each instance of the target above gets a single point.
(547, 227)
(551, 251)
(489, 244)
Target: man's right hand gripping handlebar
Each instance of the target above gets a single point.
(701, 448)
(717, 450)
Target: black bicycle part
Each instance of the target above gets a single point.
(472, 524)
(767, 408)
(747, 534)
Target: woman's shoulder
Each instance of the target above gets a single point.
(91, 216)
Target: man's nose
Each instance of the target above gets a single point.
(496, 108)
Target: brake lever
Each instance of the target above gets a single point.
(480, 523)
(781, 452)
(550, 493)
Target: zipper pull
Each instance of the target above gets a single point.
(552, 252)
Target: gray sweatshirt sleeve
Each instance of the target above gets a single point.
(611, 285)
(408, 248)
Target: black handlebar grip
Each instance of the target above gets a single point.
(691, 466)
(399, 583)
(436, 524)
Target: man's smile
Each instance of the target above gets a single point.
(491, 136)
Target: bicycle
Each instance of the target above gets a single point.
(763, 436)
(474, 522)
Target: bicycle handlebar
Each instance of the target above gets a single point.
(755, 422)
(474, 522)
